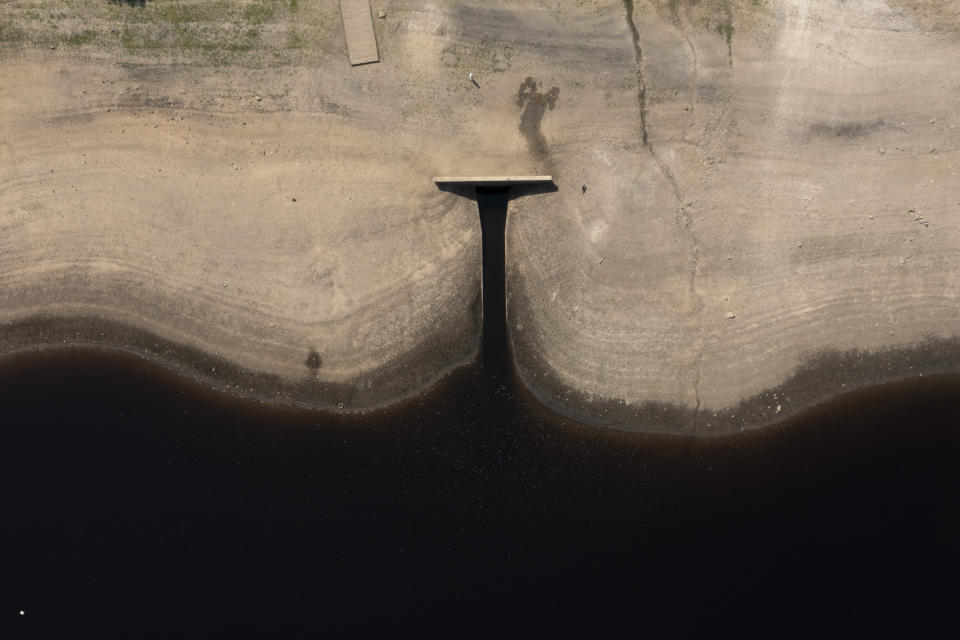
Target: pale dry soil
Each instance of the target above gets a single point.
(771, 210)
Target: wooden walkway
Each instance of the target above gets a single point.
(358, 25)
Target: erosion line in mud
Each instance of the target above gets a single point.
(641, 82)
(682, 220)
(693, 83)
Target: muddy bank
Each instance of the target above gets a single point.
(419, 369)
(818, 381)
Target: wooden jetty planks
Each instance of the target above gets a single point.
(358, 25)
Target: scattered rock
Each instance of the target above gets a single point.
(259, 98)
(731, 315)
(779, 408)
(381, 14)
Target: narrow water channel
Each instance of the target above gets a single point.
(139, 503)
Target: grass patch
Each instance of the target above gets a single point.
(295, 40)
(84, 37)
(11, 33)
(725, 29)
(196, 31)
(258, 13)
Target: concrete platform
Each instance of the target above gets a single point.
(493, 181)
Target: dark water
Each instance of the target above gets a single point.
(138, 503)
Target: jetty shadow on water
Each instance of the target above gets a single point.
(138, 502)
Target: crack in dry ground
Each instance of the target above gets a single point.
(641, 82)
(682, 220)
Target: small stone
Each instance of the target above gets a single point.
(294, 199)
(601, 260)
(226, 284)
(731, 315)
(779, 408)
(381, 14)
(259, 98)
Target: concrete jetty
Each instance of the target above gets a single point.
(493, 181)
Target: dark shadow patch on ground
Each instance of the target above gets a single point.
(848, 130)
